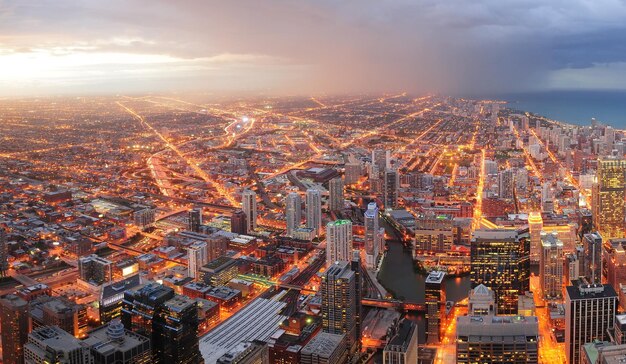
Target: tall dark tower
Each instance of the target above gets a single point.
(339, 302)
(14, 323)
(238, 222)
(4, 252)
(357, 269)
(168, 319)
(195, 220)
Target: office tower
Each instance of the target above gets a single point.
(4, 252)
(481, 301)
(247, 352)
(390, 191)
(14, 325)
(195, 220)
(592, 257)
(547, 197)
(314, 210)
(608, 197)
(619, 329)
(169, 320)
(325, 348)
(585, 223)
(506, 184)
(339, 302)
(144, 218)
(535, 227)
(356, 267)
(198, 256)
(500, 260)
(248, 201)
(50, 344)
(497, 339)
(371, 235)
(615, 259)
(113, 344)
(433, 234)
(380, 162)
(551, 266)
(238, 222)
(352, 173)
(338, 241)
(589, 312)
(112, 295)
(402, 345)
(435, 299)
(293, 212)
(96, 270)
(219, 271)
(59, 311)
(335, 197)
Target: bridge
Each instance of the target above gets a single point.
(393, 303)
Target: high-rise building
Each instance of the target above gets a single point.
(112, 343)
(335, 197)
(589, 312)
(248, 201)
(435, 299)
(293, 212)
(314, 210)
(481, 301)
(197, 256)
(94, 269)
(497, 339)
(338, 241)
(592, 258)
(380, 162)
(500, 260)
(506, 184)
(325, 348)
(390, 191)
(615, 259)
(238, 222)
(433, 234)
(339, 302)
(585, 223)
(50, 344)
(144, 218)
(247, 352)
(402, 345)
(535, 227)
(59, 311)
(4, 252)
(195, 220)
(356, 267)
(352, 173)
(14, 325)
(371, 235)
(112, 295)
(608, 195)
(551, 266)
(169, 320)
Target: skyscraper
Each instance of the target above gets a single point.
(4, 252)
(371, 235)
(335, 189)
(535, 226)
(14, 324)
(95, 269)
(380, 162)
(608, 197)
(195, 220)
(500, 259)
(314, 210)
(352, 173)
(198, 256)
(339, 302)
(402, 345)
(589, 312)
(50, 344)
(293, 212)
(551, 266)
(390, 191)
(168, 319)
(114, 344)
(238, 222)
(592, 258)
(506, 184)
(435, 299)
(338, 241)
(248, 201)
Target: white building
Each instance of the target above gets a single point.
(371, 235)
(197, 256)
(338, 241)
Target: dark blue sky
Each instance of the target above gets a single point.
(311, 46)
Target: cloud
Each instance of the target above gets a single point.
(308, 46)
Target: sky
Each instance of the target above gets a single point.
(290, 47)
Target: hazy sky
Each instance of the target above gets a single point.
(316, 46)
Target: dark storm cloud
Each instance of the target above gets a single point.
(329, 46)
